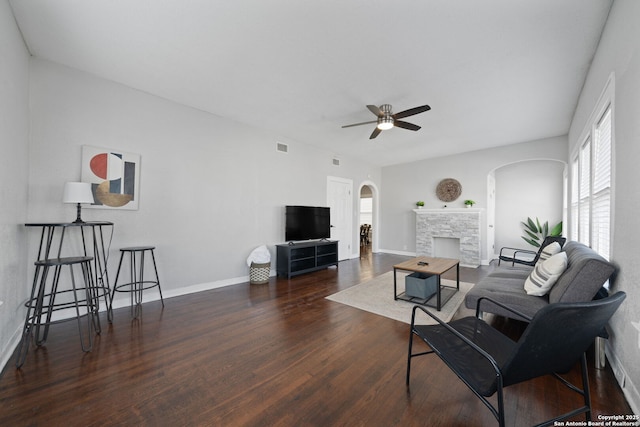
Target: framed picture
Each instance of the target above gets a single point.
(114, 176)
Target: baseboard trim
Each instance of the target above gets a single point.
(394, 252)
(200, 287)
(629, 389)
(8, 351)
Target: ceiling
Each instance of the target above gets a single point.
(494, 72)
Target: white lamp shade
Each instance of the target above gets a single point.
(77, 192)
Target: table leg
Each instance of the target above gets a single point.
(438, 294)
(395, 285)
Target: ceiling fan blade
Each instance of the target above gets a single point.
(411, 112)
(406, 125)
(375, 133)
(359, 124)
(375, 110)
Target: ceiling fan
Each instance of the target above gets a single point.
(387, 120)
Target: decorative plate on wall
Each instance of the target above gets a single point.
(448, 190)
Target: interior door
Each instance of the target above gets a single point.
(491, 216)
(340, 200)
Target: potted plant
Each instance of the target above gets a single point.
(535, 232)
(469, 203)
(419, 204)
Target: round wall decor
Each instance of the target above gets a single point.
(448, 190)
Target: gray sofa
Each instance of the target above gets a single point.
(585, 274)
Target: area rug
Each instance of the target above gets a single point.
(376, 296)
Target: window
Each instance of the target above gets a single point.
(591, 184)
(366, 210)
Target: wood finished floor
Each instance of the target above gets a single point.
(266, 355)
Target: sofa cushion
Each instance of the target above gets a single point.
(545, 274)
(586, 273)
(549, 251)
(516, 272)
(506, 286)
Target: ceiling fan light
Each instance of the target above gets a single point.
(385, 123)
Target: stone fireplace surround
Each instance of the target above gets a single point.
(463, 224)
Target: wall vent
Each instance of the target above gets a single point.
(336, 162)
(282, 147)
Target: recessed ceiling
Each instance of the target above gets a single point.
(494, 72)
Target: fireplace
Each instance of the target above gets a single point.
(449, 223)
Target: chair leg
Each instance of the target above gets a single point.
(85, 348)
(113, 291)
(409, 355)
(157, 277)
(27, 331)
(585, 392)
(42, 338)
(137, 284)
(585, 386)
(93, 297)
(500, 394)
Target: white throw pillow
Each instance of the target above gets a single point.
(548, 251)
(545, 274)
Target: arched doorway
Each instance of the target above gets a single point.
(533, 188)
(367, 218)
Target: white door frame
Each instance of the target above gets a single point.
(375, 221)
(348, 227)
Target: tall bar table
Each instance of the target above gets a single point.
(57, 248)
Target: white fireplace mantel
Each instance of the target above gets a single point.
(446, 210)
(459, 223)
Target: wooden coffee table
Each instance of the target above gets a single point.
(429, 265)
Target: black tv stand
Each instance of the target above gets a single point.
(304, 257)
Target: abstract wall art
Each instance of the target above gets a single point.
(114, 176)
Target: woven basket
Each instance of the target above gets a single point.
(259, 273)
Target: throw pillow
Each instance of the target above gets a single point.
(548, 251)
(545, 274)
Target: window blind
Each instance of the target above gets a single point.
(601, 216)
(591, 187)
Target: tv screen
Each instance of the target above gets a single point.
(307, 222)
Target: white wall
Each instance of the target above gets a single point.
(619, 53)
(14, 133)
(211, 189)
(403, 185)
(528, 189)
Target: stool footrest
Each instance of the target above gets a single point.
(132, 284)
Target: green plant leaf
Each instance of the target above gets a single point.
(535, 232)
(531, 242)
(556, 230)
(532, 235)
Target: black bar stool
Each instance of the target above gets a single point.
(46, 298)
(137, 283)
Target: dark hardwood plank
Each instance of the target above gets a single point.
(255, 355)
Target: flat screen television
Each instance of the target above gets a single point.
(307, 222)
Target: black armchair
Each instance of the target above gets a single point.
(514, 255)
(487, 361)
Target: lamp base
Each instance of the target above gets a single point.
(78, 219)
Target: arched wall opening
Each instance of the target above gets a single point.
(533, 188)
(368, 217)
